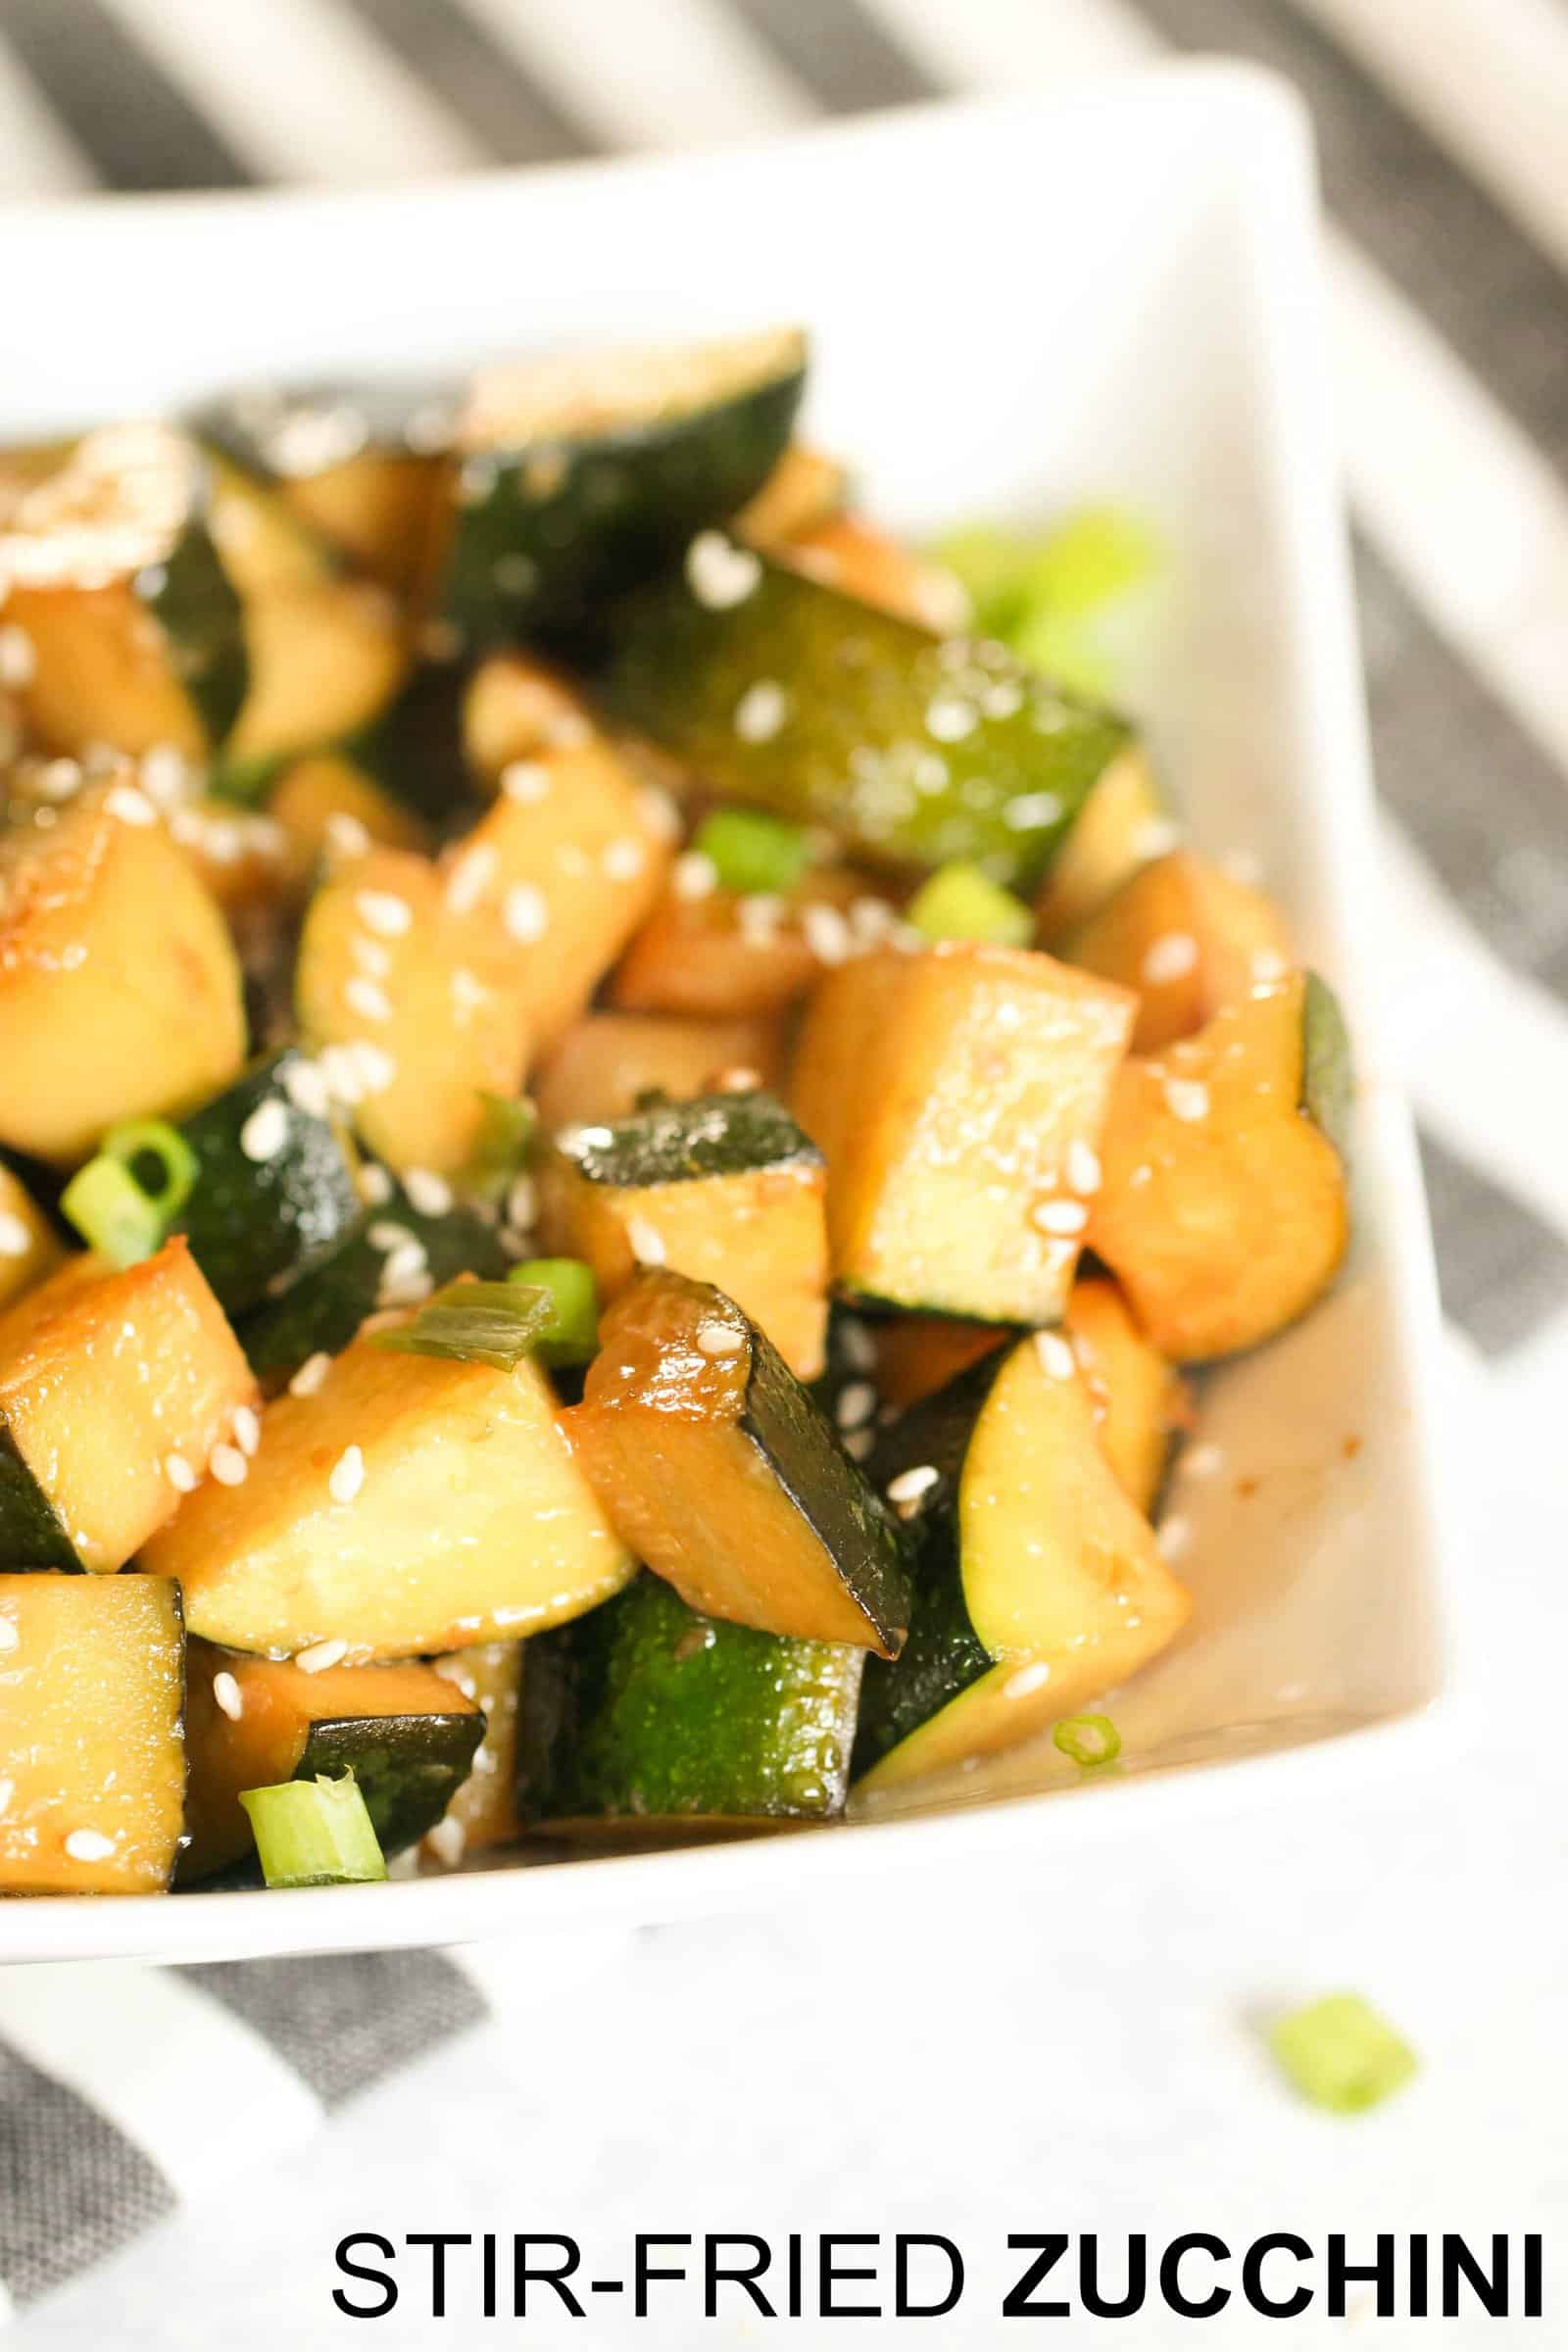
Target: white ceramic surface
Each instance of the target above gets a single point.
(1113, 294)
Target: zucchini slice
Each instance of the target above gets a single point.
(515, 707)
(724, 1187)
(1037, 1583)
(959, 1096)
(407, 1504)
(1140, 1400)
(721, 953)
(483, 1809)
(326, 657)
(115, 1387)
(916, 748)
(398, 967)
(91, 1755)
(326, 799)
(120, 997)
(30, 1246)
(646, 1719)
(323, 1308)
(579, 477)
(566, 874)
(408, 1736)
(1123, 824)
(1224, 1210)
(136, 629)
(607, 1061)
(1189, 938)
(274, 1187)
(720, 1471)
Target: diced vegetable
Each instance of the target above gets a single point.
(918, 750)
(959, 902)
(114, 1388)
(608, 1060)
(1140, 1400)
(955, 1094)
(719, 1472)
(326, 658)
(82, 958)
(327, 794)
(314, 1833)
(1224, 1208)
(1037, 1583)
(384, 1260)
(579, 477)
(917, 1354)
(514, 708)
(850, 553)
(406, 1504)
(804, 489)
(91, 1757)
(750, 850)
(723, 1188)
(1048, 594)
(646, 1719)
(422, 988)
(572, 1335)
(1189, 938)
(1121, 825)
(483, 1809)
(495, 1323)
(407, 1735)
(111, 1212)
(712, 954)
(1340, 2055)
(1089, 1739)
(29, 1247)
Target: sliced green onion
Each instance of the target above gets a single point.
(959, 902)
(751, 852)
(495, 1323)
(1048, 595)
(1087, 1738)
(112, 1214)
(136, 1142)
(1340, 2055)
(502, 1147)
(572, 1336)
(314, 1833)
(1090, 560)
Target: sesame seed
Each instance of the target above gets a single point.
(1168, 957)
(856, 1404)
(1266, 965)
(1033, 1677)
(1202, 1460)
(373, 1183)
(165, 774)
(693, 875)
(720, 1339)
(827, 934)
(647, 1243)
(132, 807)
(319, 1656)
(230, 1698)
(180, 1474)
(89, 1845)
(1057, 1358)
(1173, 1536)
(447, 1840)
(19, 660)
(525, 913)
(1155, 838)
(623, 860)
(1187, 1099)
(858, 1344)
(576, 1140)
(525, 781)
(371, 957)
(246, 1423)
(522, 1203)
(305, 1084)
(870, 921)
(470, 877)
(14, 1238)
(345, 835)
(1083, 1166)
(760, 711)
(858, 1443)
(1059, 1216)
(759, 913)
(407, 1264)
(949, 718)
(907, 1491)
(374, 1068)
(228, 1465)
(348, 1475)
(429, 1192)
(384, 911)
(265, 1131)
(388, 1234)
(719, 574)
(9, 1635)
(1026, 809)
(368, 999)
(659, 812)
(310, 1374)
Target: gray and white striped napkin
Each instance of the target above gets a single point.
(1440, 129)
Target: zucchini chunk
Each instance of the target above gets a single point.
(960, 1096)
(409, 1504)
(115, 1387)
(91, 1755)
(565, 874)
(1037, 1583)
(804, 489)
(120, 997)
(515, 707)
(390, 1253)
(30, 1246)
(422, 987)
(720, 1473)
(482, 1811)
(724, 1187)
(135, 628)
(1189, 938)
(327, 786)
(579, 477)
(648, 1720)
(917, 1354)
(327, 657)
(852, 555)
(722, 953)
(408, 1736)
(916, 748)
(607, 1061)
(274, 1187)
(1224, 1212)
(1123, 824)
(1140, 1400)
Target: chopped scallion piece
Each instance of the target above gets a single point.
(751, 852)
(314, 1833)
(112, 1214)
(1047, 595)
(495, 1323)
(506, 1138)
(1339, 2053)
(959, 902)
(159, 1158)
(572, 1335)
(1087, 1738)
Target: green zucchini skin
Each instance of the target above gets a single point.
(253, 1223)
(31, 1535)
(645, 1712)
(1328, 1076)
(261, 430)
(856, 750)
(409, 1767)
(674, 1142)
(324, 1306)
(944, 1653)
(198, 608)
(543, 534)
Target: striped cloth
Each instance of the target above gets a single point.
(1447, 178)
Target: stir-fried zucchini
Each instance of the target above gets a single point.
(30, 1246)
(482, 1811)
(1140, 1401)
(1122, 825)
(1189, 938)
(608, 1062)
(719, 952)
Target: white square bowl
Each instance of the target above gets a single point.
(1111, 294)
